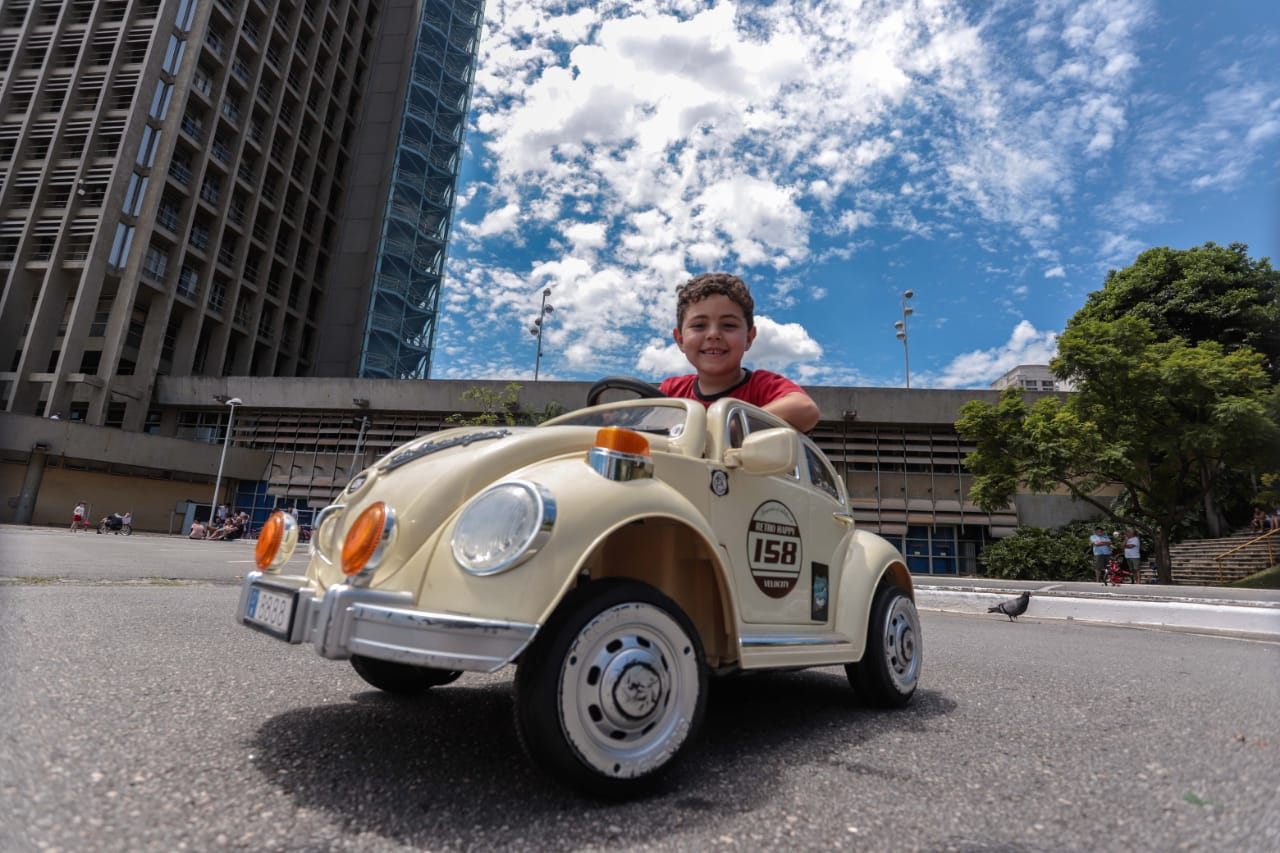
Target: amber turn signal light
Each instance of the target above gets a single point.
(622, 441)
(270, 538)
(363, 539)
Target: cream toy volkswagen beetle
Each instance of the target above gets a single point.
(617, 556)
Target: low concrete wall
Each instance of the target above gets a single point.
(1217, 617)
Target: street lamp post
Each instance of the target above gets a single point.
(901, 326)
(536, 330)
(226, 439)
(363, 420)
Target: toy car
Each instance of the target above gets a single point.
(618, 555)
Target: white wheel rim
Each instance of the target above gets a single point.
(902, 644)
(628, 690)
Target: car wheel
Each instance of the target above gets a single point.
(889, 670)
(612, 688)
(403, 679)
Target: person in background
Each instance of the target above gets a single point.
(1101, 544)
(1132, 553)
(1258, 524)
(77, 518)
(198, 531)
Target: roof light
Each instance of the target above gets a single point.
(622, 441)
(621, 455)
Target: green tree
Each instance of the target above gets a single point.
(1207, 293)
(1163, 420)
(503, 407)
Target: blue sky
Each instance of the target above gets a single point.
(997, 159)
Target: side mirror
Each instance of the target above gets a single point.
(766, 453)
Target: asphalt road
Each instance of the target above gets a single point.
(138, 716)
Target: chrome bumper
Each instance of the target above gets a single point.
(385, 625)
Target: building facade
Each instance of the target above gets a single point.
(178, 179)
(1032, 377)
(297, 442)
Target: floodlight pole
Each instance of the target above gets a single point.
(536, 330)
(226, 440)
(901, 334)
(363, 420)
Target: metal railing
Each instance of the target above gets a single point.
(1271, 554)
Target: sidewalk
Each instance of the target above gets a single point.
(1219, 610)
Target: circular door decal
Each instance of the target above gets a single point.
(773, 549)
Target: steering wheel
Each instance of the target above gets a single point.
(638, 387)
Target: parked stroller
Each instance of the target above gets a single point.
(117, 524)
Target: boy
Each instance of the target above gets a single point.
(715, 326)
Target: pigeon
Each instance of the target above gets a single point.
(1013, 608)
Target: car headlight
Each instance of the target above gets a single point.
(502, 527)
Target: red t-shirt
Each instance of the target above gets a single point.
(758, 387)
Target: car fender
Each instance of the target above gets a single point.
(868, 560)
(669, 544)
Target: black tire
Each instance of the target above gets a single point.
(890, 667)
(638, 387)
(102, 527)
(402, 679)
(127, 529)
(612, 689)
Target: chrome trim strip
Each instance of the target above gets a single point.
(318, 546)
(618, 466)
(757, 641)
(383, 624)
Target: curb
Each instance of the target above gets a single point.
(1259, 620)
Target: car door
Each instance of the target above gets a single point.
(778, 533)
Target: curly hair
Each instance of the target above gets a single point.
(714, 284)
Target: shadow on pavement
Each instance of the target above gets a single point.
(446, 768)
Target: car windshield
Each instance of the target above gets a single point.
(656, 419)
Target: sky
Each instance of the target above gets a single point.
(996, 159)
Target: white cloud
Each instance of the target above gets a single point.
(977, 369)
(624, 146)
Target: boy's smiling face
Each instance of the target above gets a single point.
(714, 337)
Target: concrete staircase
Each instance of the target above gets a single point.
(1193, 562)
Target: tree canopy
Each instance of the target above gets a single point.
(1207, 293)
(1162, 417)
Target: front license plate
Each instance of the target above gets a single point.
(272, 611)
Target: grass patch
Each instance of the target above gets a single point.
(1265, 579)
(33, 579)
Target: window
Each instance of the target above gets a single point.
(160, 100)
(120, 245)
(147, 150)
(820, 472)
(173, 55)
(134, 194)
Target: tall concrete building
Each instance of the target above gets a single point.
(212, 187)
(223, 227)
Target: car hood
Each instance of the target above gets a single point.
(426, 480)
